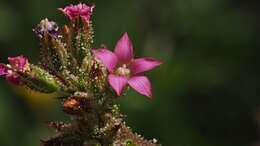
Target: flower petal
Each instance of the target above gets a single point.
(13, 78)
(107, 57)
(19, 63)
(86, 12)
(124, 49)
(141, 84)
(143, 64)
(117, 82)
(3, 69)
(70, 11)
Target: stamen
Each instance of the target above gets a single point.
(123, 70)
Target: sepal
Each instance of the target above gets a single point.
(40, 80)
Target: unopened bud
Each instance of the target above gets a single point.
(72, 105)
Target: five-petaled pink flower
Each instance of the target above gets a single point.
(80, 10)
(124, 69)
(10, 71)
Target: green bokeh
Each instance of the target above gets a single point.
(206, 93)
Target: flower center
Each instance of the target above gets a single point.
(123, 70)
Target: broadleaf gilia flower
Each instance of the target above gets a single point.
(124, 69)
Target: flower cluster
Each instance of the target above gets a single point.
(18, 64)
(123, 68)
(86, 80)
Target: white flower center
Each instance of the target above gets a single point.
(123, 70)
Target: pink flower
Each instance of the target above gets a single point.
(81, 10)
(10, 71)
(19, 63)
(124, 69)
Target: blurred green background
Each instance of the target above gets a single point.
(206, 93)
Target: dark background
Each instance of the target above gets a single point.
(206, 93)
